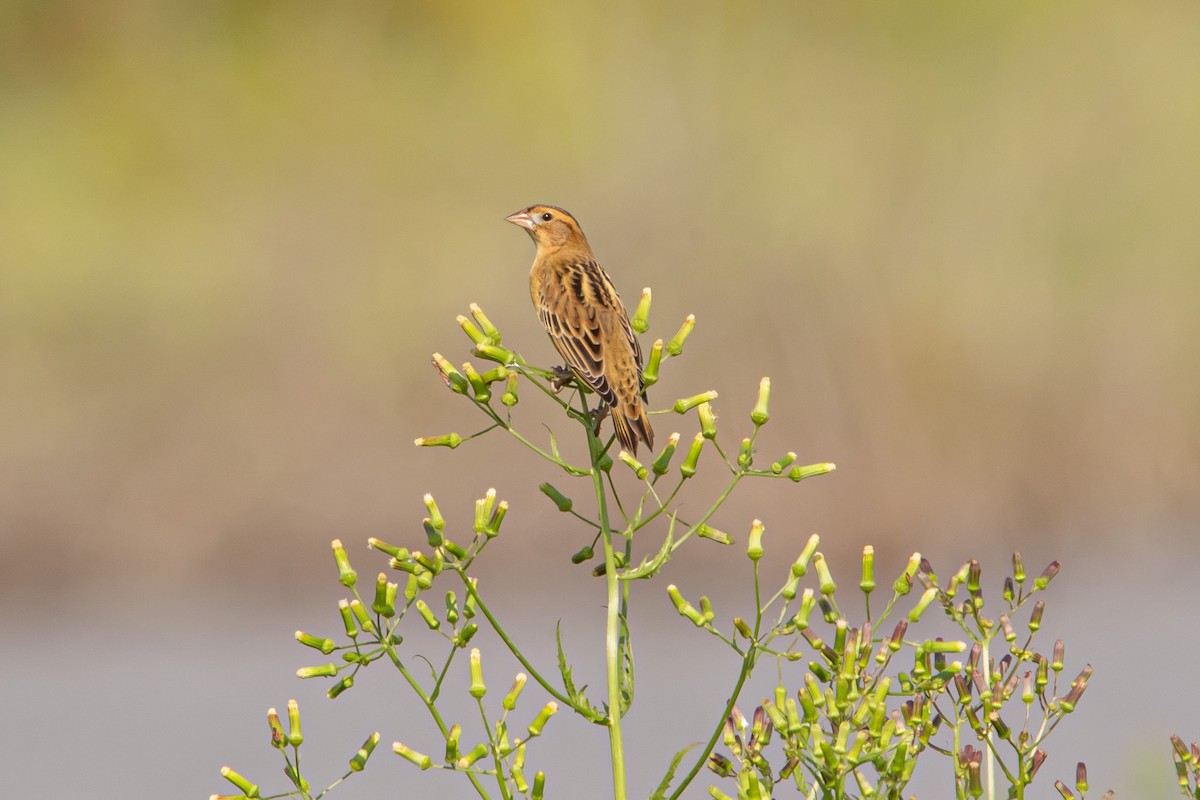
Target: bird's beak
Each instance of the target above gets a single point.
(521, 218)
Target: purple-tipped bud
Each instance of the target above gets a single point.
(561, 501)
(244, 786)
(495, 353)
(1043, 580)
(708, 420)
(686, 404)
(278, 739)
(1081, 781)
(867, 582)
(653, 362)
(779, 466)
(489, 329)
(800, 565)
(759, 415)
(346, 575)
(640, 322)
(1010, 635)
(1066, 793)
(974, 572)
(1035, 616)
(478, 689)
(827, 585)
(1018, 568)
(627, 458)
(811, 471)
(308, 640)
(675, 346)
(688, 468)
(663, 462)
(720, 765)
(1056, 662)
(754, 547)
(539, 722)
(451, 440)
(1010, 590)
(423, 761)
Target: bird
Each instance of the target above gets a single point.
(579, 307)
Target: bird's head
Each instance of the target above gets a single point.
(550, 227)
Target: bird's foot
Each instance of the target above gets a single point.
(598, 415)
(562, 377)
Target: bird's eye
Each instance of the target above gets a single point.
(547, 216)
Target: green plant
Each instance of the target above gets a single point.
(853, 708)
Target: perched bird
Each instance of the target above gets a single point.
(580, 309)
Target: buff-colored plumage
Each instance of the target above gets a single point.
(580, 309)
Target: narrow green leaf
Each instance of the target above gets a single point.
(661, 792)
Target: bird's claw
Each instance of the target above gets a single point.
(562, 377)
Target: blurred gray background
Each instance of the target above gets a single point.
(962, 240)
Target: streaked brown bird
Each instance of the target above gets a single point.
(580, 309)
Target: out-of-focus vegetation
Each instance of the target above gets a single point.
(962, 239)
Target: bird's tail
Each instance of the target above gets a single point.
(632, 424)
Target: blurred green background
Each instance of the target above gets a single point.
(962, 238)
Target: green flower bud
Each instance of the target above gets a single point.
(759, 415)
(426, 614)
(510, 699)
(295, 736)
(489, 329)
(563, 502)
(497, 519)
(740, 625)
(244, 786)
(807, 603)
(641, 316)
(779, 466)
(800, 565)
(650, 373)
(323, 671)
(904, 583)
(635, 465)
(746, 454)
(811, 471)
(480, 388)
(754, 547)
(360, 758)
(477, 336)
(452, 739)
(360, 614)
(494, 374)
(422, 761)
(675, 346)
(278, 739)
(828, 587)
(510, 398)
(922, 604)
(583, 554)
(347, 619)
(706, 609)
(450, 376)
(451, 440)
(708, 420)
(308, 640)
(867, 582)
(708, 532)
(346, 575)
(432, 534)
(495, 353)
(341, 686)
(539, 786)
(663, 462)
(478, 689)
(379, 605)
(539, 722)
(688, 468)
(686, 404)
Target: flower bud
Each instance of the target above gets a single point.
(295, 736)
(470, 758)
(478, 689)
(650, 373)
(709, 532)
(1043, 580)
(278, 739)
(390, 549)
(779, 466)
(807, 603)
(1035, 616)
(477, 336)
(510, 398)
(675, 346)
(800, 565)
(1018, 568)
(563, 502)
(244, 786)
(450, 376)
(867, 582)
(641, 315)
(539, 786)
(346, 575)
(495, 353)
(828, 587)
(478, 387)
(584, 553)
(708, 420)
(922, 604)
(754, 547)
(539, 722)
(759, 415)
(628, 460)
(686, 404)
(432, 534)
(510, 699)
(360, 614)
(308, 640)
(360, 758)
(341, 686)
(746, 454)
(497, 373)
(706, 609)
(663, 462)
(810, 471)
(452, 739)
(740, 625)
(347, 619)
(380, 604)
(688, 468)
(426, 614)
(451, 440)
(485, 324)
(904, 583)
(423, 761)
